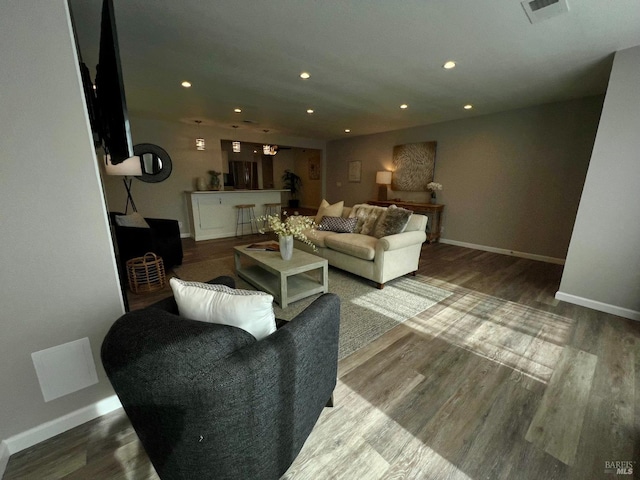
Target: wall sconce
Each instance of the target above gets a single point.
(236, 147)
(384, 180)
(199, 140)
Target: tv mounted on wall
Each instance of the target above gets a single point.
(111, 101)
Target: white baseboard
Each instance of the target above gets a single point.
(530, 256)
(600, 306)
(4, 457)
(52, 428)
(185, 235)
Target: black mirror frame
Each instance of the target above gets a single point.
(159, 152)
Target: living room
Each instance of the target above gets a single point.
(574, 158)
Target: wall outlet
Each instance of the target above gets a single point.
(180, 225)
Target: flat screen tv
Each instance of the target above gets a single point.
(113, 118)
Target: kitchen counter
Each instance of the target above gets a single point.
(212, 213)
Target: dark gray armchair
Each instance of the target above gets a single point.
(209, 401)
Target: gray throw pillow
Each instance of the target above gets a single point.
(393, 221)
(132, 220)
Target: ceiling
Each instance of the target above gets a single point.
(366, 58)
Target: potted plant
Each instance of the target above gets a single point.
(292, 182)
(215, 180)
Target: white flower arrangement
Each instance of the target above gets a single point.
(294, 226)
(433, 187)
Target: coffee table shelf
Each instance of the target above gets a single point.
(287, 280)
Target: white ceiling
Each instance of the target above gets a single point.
(365, 57)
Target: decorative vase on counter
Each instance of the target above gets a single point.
(286, 246)
(433, 199)
(201, 184)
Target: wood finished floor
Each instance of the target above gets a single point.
(499, 381)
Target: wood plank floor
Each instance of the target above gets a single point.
(498, 381)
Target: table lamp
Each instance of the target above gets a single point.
(383, 179)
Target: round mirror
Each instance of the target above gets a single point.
(156, 162)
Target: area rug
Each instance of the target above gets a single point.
(366, 312)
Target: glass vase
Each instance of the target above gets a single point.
(286, 247)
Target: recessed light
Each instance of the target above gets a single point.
(237, 110)
(468, 106)
(309, 110)
(404, 105)
(305, 75)
(449, 65)
(186, 84)
(347, 130)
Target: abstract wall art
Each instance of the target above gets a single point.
(413, 166)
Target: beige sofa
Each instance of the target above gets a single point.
(377, 259)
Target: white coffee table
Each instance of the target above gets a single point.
(287, 280)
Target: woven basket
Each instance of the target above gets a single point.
(146, 274)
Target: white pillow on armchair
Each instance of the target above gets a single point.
(249, 310)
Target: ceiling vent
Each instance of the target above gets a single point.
(539, 10)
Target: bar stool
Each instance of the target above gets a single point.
(242, 211)
(271, 209)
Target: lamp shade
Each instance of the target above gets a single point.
(383, 178)
(130, 167)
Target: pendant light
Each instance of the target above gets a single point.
(199, 140)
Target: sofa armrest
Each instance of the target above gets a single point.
(401, 240)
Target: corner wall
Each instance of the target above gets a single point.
(58, 276)
(603, 264)
(511, 181)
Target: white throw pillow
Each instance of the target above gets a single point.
(326, 210)
(132, 220)
(249, 310)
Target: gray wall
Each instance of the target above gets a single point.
(603, 265)
(59, 280)
(167, 199)
(510, 180)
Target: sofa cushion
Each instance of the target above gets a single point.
(393, 220)
(317, 237)
(354, 244)
(326, 210)
(246, 309)
(338, 224)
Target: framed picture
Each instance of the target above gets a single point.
(314, 168)
(355, 171)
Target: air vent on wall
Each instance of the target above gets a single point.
(539, 10)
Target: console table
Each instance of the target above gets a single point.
(431, 210)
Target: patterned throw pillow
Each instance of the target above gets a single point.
(325, 209)
(338, 224)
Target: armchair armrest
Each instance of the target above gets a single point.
(401, 240)
(164, 225)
